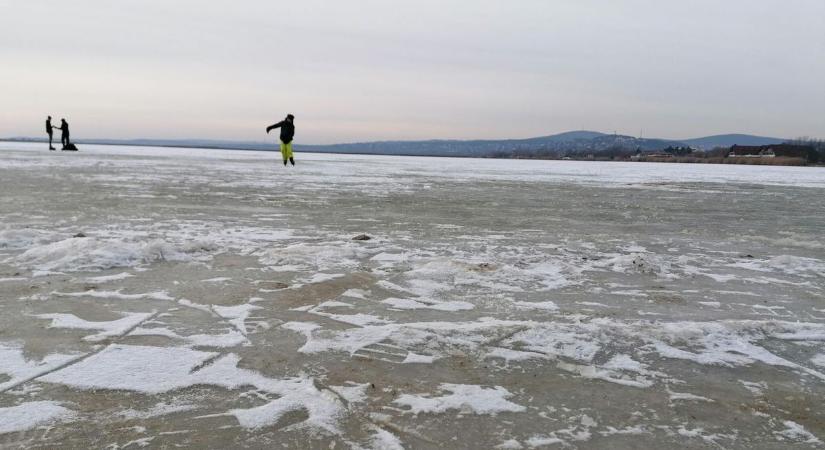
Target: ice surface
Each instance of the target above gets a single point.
(512, 304)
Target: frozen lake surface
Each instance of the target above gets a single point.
(182, 297)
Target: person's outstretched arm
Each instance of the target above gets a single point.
(273, 126)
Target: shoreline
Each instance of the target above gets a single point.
(683, 160)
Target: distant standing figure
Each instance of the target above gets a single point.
(64, 133)
(287, 133)
(49, 131)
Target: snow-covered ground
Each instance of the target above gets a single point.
(169, 297)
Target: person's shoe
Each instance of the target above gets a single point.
(292, 161)
(284, 162)
(51, 148)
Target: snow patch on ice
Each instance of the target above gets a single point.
(408, 303)
(109, 278)
(155, 370)
(217, 280)
(355, 293)
(755, 388)
(414, 358)
(117, 295)
(384, 440)
(18, 368)
(546, 305)
(320, 278)
(90, 254)
(787, 264)
(510, 444)
(579, 430)
(230, 338)
(30, 415)
(352, 392)
(10, 279)
(107, 329)
(465, 398)
(236, 315)
(303, 257)
(600, 373)
(686, 396)
(159, 409)
(797, 432)
(12, 239)
(513, 355)
(730, 343)
(644, 263)
(541, 441)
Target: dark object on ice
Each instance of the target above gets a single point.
(748, 256)
(80, 235)
(273, 285)
(483, 267)
(361, 237)
(49, 131)
(69, 147)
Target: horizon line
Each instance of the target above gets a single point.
(241, 141)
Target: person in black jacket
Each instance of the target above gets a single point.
(287, 127)
(64, 133)
(49, 131)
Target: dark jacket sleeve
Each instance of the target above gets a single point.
(272, 127)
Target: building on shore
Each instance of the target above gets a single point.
(770, 151)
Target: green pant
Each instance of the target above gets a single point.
(286, 150)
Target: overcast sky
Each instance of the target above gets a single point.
(369, 70)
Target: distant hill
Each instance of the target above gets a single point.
(728, 140)
(567, 136)
(572, 143)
